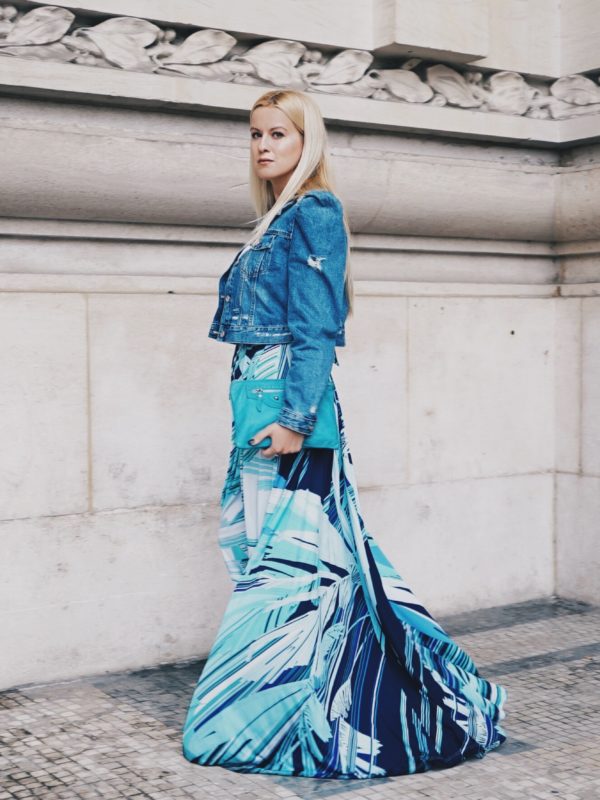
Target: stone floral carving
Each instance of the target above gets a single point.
(401, 83)
(50, 33)
(509, 93)
(35, 34)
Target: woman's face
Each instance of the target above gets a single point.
(275, 146)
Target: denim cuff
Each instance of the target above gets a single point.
(301, 423)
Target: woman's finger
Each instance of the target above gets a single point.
(265, 452)
(268, 452)
(259, 436)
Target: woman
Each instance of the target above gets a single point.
(325, 664)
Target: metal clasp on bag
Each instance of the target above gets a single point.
(259, 392)
(259, 396)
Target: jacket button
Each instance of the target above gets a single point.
(227, 298)
(221, 333)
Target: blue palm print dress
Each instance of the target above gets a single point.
(325, 664)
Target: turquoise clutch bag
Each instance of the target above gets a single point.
(256, 403)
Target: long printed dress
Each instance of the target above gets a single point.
(325, 664)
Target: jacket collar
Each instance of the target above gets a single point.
(286, 204)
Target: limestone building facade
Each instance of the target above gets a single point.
(465, 141)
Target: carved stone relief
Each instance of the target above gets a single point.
(50, 33)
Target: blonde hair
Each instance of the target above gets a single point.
(313, 170)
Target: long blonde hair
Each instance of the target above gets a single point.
(313, 170)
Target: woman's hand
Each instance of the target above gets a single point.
(283, 440)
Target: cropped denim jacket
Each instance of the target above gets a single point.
(289, 287)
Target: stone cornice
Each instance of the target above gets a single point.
(485, 266)
(135, 45)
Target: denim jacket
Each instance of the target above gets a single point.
(289, 287)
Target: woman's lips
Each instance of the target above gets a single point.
(265, 160)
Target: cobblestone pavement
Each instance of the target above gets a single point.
(119, 736)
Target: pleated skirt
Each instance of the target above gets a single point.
(325, 664)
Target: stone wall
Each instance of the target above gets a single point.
(469, 382)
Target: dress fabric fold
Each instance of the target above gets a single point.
(325, 663)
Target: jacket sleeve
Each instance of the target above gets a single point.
(316, 271)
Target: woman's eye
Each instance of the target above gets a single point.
(254, 134)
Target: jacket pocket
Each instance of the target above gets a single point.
(258, 257)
